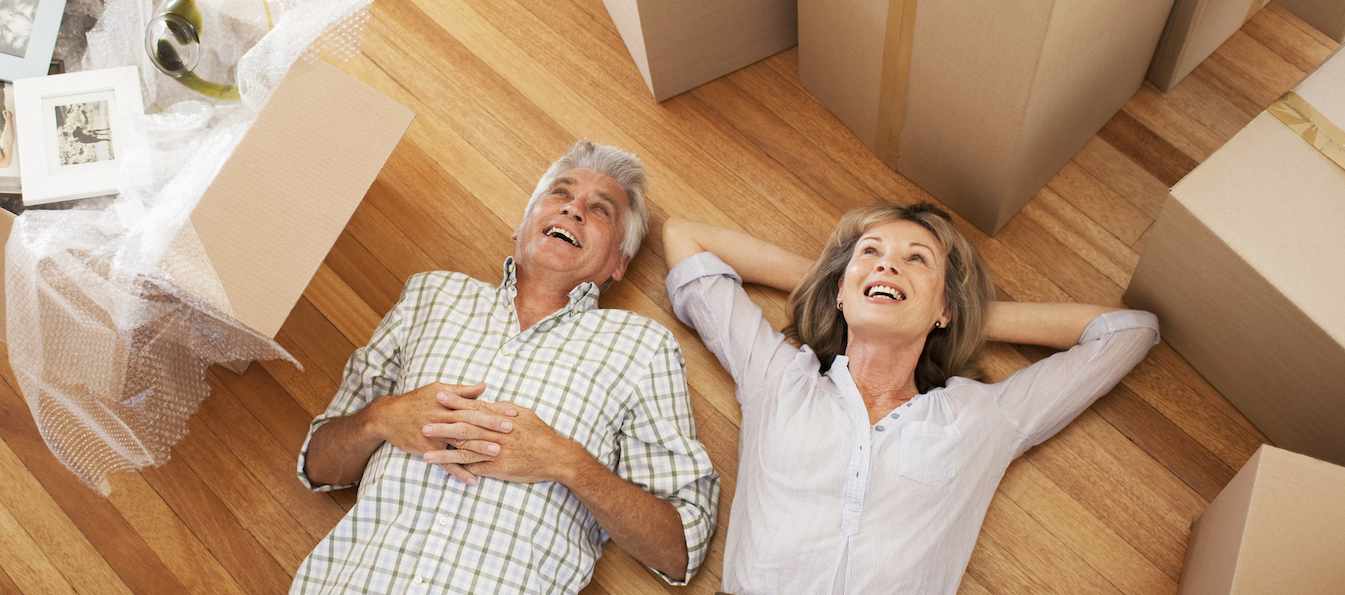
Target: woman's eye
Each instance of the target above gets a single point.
(918, 258)
(869, 250)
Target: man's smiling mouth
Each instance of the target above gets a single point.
(557, 232)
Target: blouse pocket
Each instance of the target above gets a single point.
(928, 452)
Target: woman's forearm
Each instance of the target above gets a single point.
(1050, 325)
(756, 261)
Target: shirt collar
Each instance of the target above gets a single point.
(583, 297)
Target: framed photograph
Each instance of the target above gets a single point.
(73, 132)
(9, 145)
(27, 36)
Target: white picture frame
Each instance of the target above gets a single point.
(73, 132)
(9, 146)
(28, 56)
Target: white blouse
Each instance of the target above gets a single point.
(826, 502)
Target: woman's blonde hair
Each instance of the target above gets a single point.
(949, 351)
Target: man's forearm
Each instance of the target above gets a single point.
(645, 526)
(340, 449)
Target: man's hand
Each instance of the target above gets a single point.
(419, 423)
(531, 453)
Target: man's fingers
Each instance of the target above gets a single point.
(480, 446)
(460, 431)
(462, 474)
(455, 457)
(458, 403)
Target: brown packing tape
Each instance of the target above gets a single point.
(896, 71)
(1310, 124)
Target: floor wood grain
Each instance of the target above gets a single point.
(501, 87)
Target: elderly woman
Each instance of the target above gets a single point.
(870, 452)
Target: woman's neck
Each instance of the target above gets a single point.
(884, 373)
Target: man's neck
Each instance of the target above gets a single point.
(539, 296)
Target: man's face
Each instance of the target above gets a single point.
(576, 228)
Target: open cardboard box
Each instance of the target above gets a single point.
(681, 44)
(1195, 29)
(289, 188)
(980, 103)
(1244, 269)
(1278, 527)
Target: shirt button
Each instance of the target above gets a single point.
(418, 579)
(879, 428)
(443, 520)
(508, 351)
(894, 416)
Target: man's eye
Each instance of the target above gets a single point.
(600, 208)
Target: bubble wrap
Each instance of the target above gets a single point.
(114, 313)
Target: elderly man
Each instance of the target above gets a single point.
(582, 430)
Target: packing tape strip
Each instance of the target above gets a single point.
(1310, 124)
(900, 34)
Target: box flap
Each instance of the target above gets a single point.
(1295, 528)
(280, 201)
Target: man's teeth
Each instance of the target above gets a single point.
(890, 293)
(557, 232)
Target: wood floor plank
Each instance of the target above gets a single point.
(364, 274)
(1247, 90)
(270, 404)
(1085, 534)
(119, 543)
(1165, 442)
(182, 552)
(1152, 109)
(52, 531)
(7, 586)
(323, 344)
(1065, 268)
(1303, 28)
(618, 572)
(1123, 487)
(1124, 176)
(1042, 554)
(342, 306)
(1178, 402)
(269, 462)
(993, 564)
(25, 562)
(1170, 361)
(971, 586)
(388, 243)
(210, 520)
(1109, 255)
(308, 387)
(1260, 62)
(1269, 29)
(1100, 203)
(1224, 115)
(1143, 146)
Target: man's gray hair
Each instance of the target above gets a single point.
(625, 168)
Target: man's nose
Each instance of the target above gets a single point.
(573, 209)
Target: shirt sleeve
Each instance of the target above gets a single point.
(371, 372)
(1043, 398)
(708, 296)
(660, 452)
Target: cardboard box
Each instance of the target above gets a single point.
(284, 195)
(1244, 269)
(1327, 16)
(682, 44)
(1195, 29)
(980, 104)
(1277, 528)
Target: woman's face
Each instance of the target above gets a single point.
(893, 285)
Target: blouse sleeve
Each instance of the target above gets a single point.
(1043, 398)
(708, 296)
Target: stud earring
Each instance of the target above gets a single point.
(938, 324)
(840, 306)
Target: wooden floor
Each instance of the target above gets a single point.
(502, 87)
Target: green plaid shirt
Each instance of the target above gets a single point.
(612, 380)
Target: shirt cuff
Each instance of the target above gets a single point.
(303, 459)
(701, 264)
(1120, 320)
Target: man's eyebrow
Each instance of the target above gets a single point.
(608, 198)
(559, 181)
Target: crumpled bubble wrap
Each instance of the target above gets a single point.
(115, 313)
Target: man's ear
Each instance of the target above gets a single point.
(514, 236)
(621, 269)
